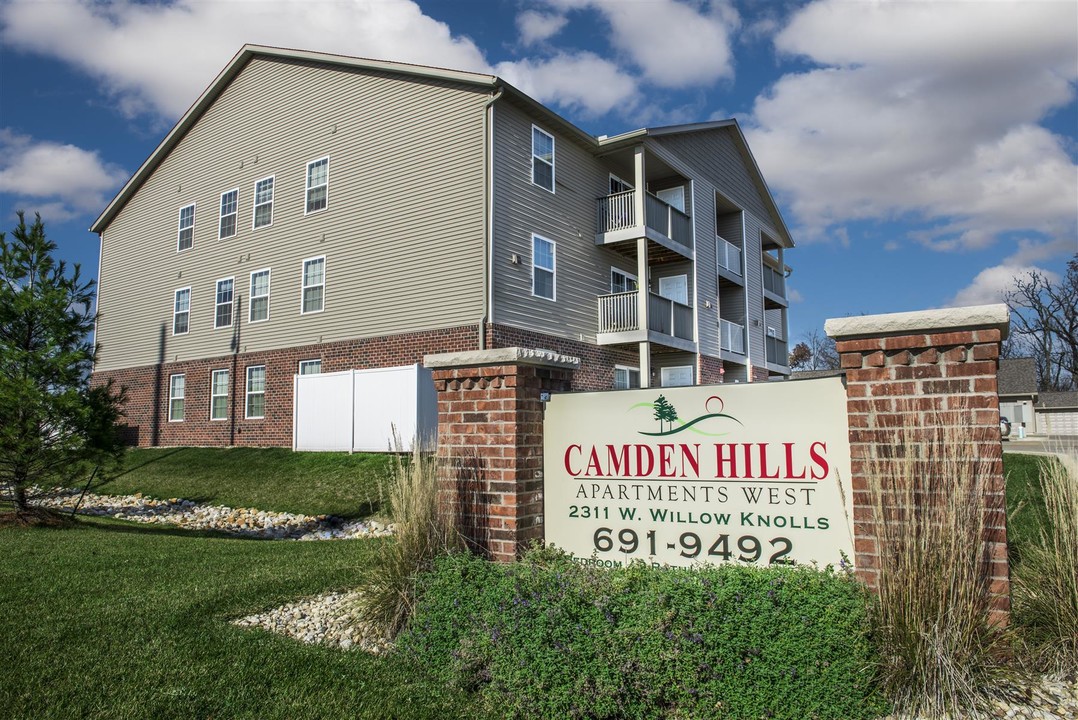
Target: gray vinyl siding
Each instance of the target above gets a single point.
(403, 234)
(754, 288)
(566, 216)
(706, 280)
(729, 227)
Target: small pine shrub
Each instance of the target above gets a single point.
(548, 637)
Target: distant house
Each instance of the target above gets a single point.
(316, 213)
(1044, 413)
(1057, 413)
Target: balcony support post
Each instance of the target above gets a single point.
(645, 364)
(643, 280)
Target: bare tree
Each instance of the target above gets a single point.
(816, 351)
(1044, 324)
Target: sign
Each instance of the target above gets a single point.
(756, 473)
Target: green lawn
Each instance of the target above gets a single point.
(114, 620)
(1025, 504)
(267, 479)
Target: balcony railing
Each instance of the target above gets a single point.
(731, 336)
(776, 352)
(618, 212)
(774, 282)
(729, 255)
(618, 313)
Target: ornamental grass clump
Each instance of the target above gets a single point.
(939, 651)
(1046, 574)
(425, 528)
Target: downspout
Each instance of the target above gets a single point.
(488, 212)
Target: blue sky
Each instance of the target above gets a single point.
(922, 153)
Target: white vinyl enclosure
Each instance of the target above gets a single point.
(360, 410)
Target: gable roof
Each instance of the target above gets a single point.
(1061, 400)
(1017, 376)
(492, 83)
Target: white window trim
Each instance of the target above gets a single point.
(253, 297)
(628, 275)
(180, 229)
(172, 398)
(247, 394)
(236, 214)
(553, 271)
(232, 312)
(176, 292)
(299, 367)
(306, 189)
(213, 397)
(663, 370)
(627, 368)
(302, 287)
(553, 160)
(256, 205)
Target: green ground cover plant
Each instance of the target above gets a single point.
(551, 638)
(265, 478)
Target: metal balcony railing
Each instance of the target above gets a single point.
(731, 336)
(618, 313)
(618, 212)
(729, 255)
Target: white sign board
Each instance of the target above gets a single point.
(754, 473)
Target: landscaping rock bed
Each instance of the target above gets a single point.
(325, 619)
(247, 522)
(1050, 699)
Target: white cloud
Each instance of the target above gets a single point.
(990, 284)
(535, 27)
(926, 111)
(159, 57)
(59, 181)
(582, 82)
(675, 44)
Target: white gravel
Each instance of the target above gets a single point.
(324, 619)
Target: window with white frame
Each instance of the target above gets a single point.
(256, 392)
(185, 235)
(219, 395)
(314, 285)
(542, 159)
(626, 377)
(176, 390)
(317, 185)
(260, 291)
(230, 202)
(222, 316)
(264, 202)
(621, 281)
(543, 267)
(676, 375)
(181, 311)
(310, 367)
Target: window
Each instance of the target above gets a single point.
(186, 234)
(317, 185)
(264, 202)
(260, 288)
(256, 392)
(676, 375)
(175, 397)
(314, 285)
(542, 267)
(621, 281)
(310, 367)
(618, 185)
(181, 312)
(222, 316)
(542, 159)
(626, 377)
(219, 395)
(229, 205)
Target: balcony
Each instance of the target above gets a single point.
(670, 323)
(776, 352)
(616, 222)
(774, 289)
(729, 256)
(731, 336)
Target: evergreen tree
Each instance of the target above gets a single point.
(53, 424)
(664, 411)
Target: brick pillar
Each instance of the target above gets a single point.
(926, 370)
(490, 440)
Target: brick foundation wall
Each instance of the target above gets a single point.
(597, 362)
(709, 370)
(928, 381)
(148, 387)
(760, 374)
(490, 439)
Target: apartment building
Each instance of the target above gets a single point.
(315, 213)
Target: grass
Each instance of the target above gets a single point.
(1025, 501)
(109, 620)
(264, 478)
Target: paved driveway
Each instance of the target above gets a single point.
(1042, 445)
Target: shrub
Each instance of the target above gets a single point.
(549, 637)
(425, 529)
(939, 651)
(1046, 577)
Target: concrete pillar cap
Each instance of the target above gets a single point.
(501, 356)
(996, 316)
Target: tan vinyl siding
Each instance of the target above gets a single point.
(566, 216)
(402, 235)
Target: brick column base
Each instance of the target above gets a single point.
(910, 375)
(490, 441)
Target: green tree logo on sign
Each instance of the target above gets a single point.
(665, 411)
